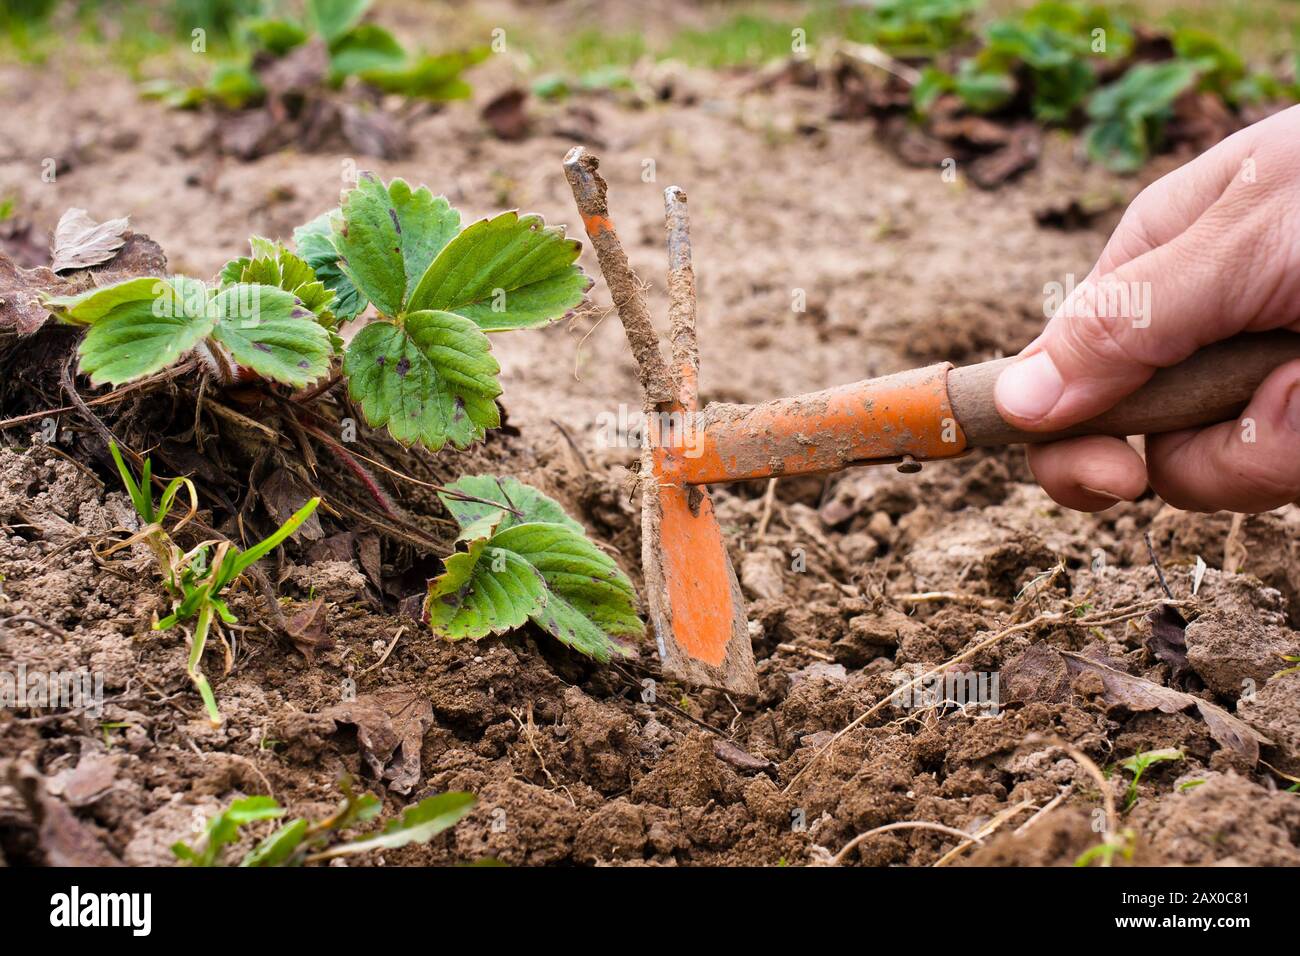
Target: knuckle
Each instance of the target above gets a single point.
(1097, 324)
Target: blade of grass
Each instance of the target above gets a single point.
(237, 561)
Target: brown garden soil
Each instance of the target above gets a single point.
(571, 763)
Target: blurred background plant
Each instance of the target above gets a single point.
(999, 58)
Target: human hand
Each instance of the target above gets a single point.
(1206, 252)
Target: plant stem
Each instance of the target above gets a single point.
(197, 643)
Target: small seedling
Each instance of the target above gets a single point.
(1120, 846)
(1137, 765)
(302, 841)
(196, 579)
(107, 727)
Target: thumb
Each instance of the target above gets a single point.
(1112, 333)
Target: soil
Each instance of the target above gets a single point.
(855, 582)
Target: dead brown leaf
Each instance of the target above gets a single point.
(248, 134)
(284, 493)
(20, 303)
(1234, 546)
(300, 72)
(741, 759)
(1045, 673)
(1168, 640)
(368, 557)
(92, 777)
(62, 837)
(80, 242)
(505, 115)
(308, 629)
(1020, 153)
(390, 728)
(373, 132)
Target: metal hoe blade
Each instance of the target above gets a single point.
(695, 603)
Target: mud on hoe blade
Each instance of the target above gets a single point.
(906, 418)
(693, 596)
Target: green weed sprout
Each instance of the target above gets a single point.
(1290, 659)
(1137, 765)
(302, 841)
(195, 579)
(152, 533)
(1108, 850)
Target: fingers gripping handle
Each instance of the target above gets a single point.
(1212, 386)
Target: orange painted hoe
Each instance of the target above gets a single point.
(906, 418)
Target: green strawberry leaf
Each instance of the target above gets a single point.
(1146, 90)
(141, 336)
(315, 242)
(982, 91)
(508, 272)
(333, 18)
(388, 235)
(934, 83)
(590, 599)
(511, 492)
(91, 306)
(1129, 115)
(431, 379)
(1119, 144)
(273, 264)
(589, 602)
(484, 590)
(272, 332)
(233, 271)
(274, 35)
(366, 47)
(435, 78)
(233, 85)
(176, 95)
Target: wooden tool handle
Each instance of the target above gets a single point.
(1212, 386)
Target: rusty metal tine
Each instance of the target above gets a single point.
(681, 298)
(657, 381)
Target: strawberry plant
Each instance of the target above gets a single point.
(354, 48)
(1128, 116)
(1049, 45)
(1220, 69)
(316, 841)
(909, 27)
(1052, 60)
(421, 368)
